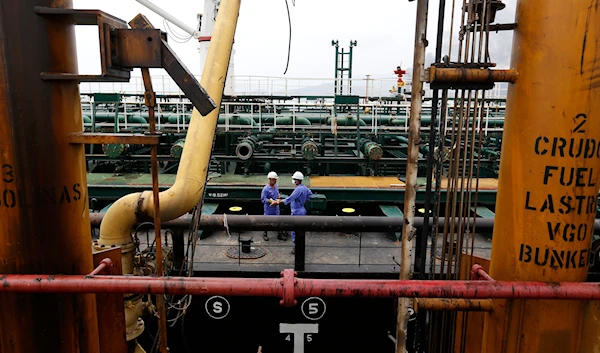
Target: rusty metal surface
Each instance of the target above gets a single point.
(410, 195)
(140, 22)
(150, 103)
(179, 73)
(590, 333)
(106, 138)
(44, 215)
(453, 304)
(59, 76)
(138, 48)
(493, 27)
(111, 316)
(78, 17)
(186, 81)
(289, 287)
(110, 72)
(545, 217)
(468, 334)
(438, 74)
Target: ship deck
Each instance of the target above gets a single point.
(373, 254)
(383, 189)
(326, 252)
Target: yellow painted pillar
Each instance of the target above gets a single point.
(549, 173)
(44, 215)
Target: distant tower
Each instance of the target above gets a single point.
(343, 68)
(206, 22)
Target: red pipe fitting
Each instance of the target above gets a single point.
(104, 264)
(478, 273)
(288, 283)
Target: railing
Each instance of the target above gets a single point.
(376, 112)
(273, 86)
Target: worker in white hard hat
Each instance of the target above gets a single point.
(297, 200)
(270, 193)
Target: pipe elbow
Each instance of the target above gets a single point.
(115, 229)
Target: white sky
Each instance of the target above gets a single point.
(384, 30)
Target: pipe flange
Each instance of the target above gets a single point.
(244, 150)
(289, 283)
(135, 330)
(125, 248)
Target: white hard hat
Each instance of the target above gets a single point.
(272, 175)
(298, 176)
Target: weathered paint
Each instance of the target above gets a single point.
(590, 334)
(470, 339)
(289, 287)
(44, 216)
(549, 173)
(453, 304)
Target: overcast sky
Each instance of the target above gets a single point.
(384, 30)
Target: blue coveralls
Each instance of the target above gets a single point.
(297, 200)
(267, 193)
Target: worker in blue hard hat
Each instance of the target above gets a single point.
(270, 193)
(297, 200)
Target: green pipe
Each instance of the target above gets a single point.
(236, 120)
(133, 119)
(177, 148)
(347, 121)
(288, 120)
(268, 119)
(115, 150)
(310, 148)
(370, 149)
(246, 148)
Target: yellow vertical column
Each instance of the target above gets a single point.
(549, 173)
(44, 216)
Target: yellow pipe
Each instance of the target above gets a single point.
(549, 173)
(191, 176)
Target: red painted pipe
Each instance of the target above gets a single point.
(478, 273)
(103, 265)
(289, 287)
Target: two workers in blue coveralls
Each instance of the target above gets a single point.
(271, 199)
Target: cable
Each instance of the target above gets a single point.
(176, 36)
(290, 38)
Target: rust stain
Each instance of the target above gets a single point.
(583, 46)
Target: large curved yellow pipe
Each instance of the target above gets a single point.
(188, 188)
